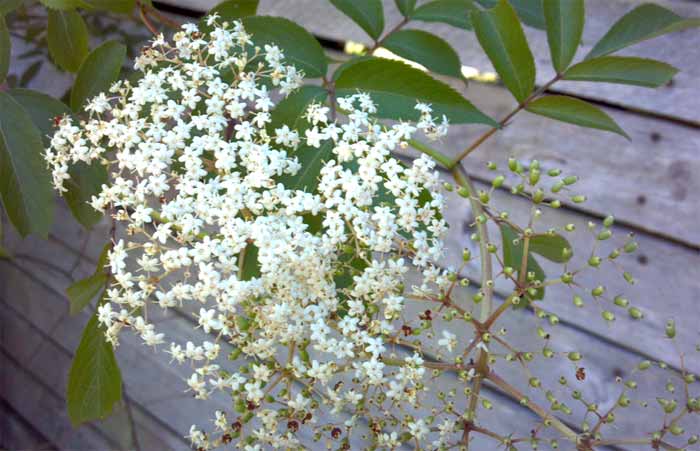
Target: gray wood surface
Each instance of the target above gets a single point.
(681, 50)
(649, 184)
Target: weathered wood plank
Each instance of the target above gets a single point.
(680, 49)
(16, 433)
(647, 182)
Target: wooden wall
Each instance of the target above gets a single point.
(649, 183)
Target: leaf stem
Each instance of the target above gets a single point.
(503, 122)
(539, 411)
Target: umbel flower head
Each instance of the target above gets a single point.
(299, 289)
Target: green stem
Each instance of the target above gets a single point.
(480, 140)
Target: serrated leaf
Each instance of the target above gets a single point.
(7, 6)
(115, 6)
(231, 10)
(530, 12)
(378, 77)
(644, 22)
(368, 14)
(406, 7)
(99, 70)
(85, 181)
(425, 48)
(41, 108)
(574, 111)
(622, 69)
(67, 39)
(513, 257)
(565, 20)
(501, 36)
(551, 247)
(5, 49)
(25, 183)
(300, 48)
(451, 12)
(94, 381)
(83, 291)
(289, 111)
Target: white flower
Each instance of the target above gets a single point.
(448, 340)
(286, 278)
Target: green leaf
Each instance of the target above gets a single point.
(94, 381)
(451, 12)
(300, 48)
(378, 77)
(99, 70)
(251, 265)
(426, 49)
(551, 247)
(5, 49)
(622, 69)
(406, 7)
(574, 111)
(500, 34)
(64, 5)
(530, 12)
(290, 110)
(7, 6)
(42, 108)
(311, 160)
(83, 291)
(368, 14)
(513, 257)
(565, 19)
(233, 9)
(4, 253)
(115, 6)
(25, 184)
(85, 181)
(67, 38)
(643, 22)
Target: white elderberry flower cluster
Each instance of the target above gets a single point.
(300, 285)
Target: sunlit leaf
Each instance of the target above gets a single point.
(368, 14)
(67, 39)
(426, 49)
(99, 70)
(565, 19)
(622, 69)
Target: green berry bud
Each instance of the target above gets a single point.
(671, 328)
(574, 356)
(598, 291)
(498, 181)
(557, 187)
(513, 164)
(534, 176)
(578, 301)
(491, 165)
(448, 186)
(578, 199)
(570, 180)
(621, 302)
(608, 315)
(608, 221)
(604, 235)
(645, 365)
(554, 172)
(630, 247)
(535, 382)
(635, 313)
(463, 191)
